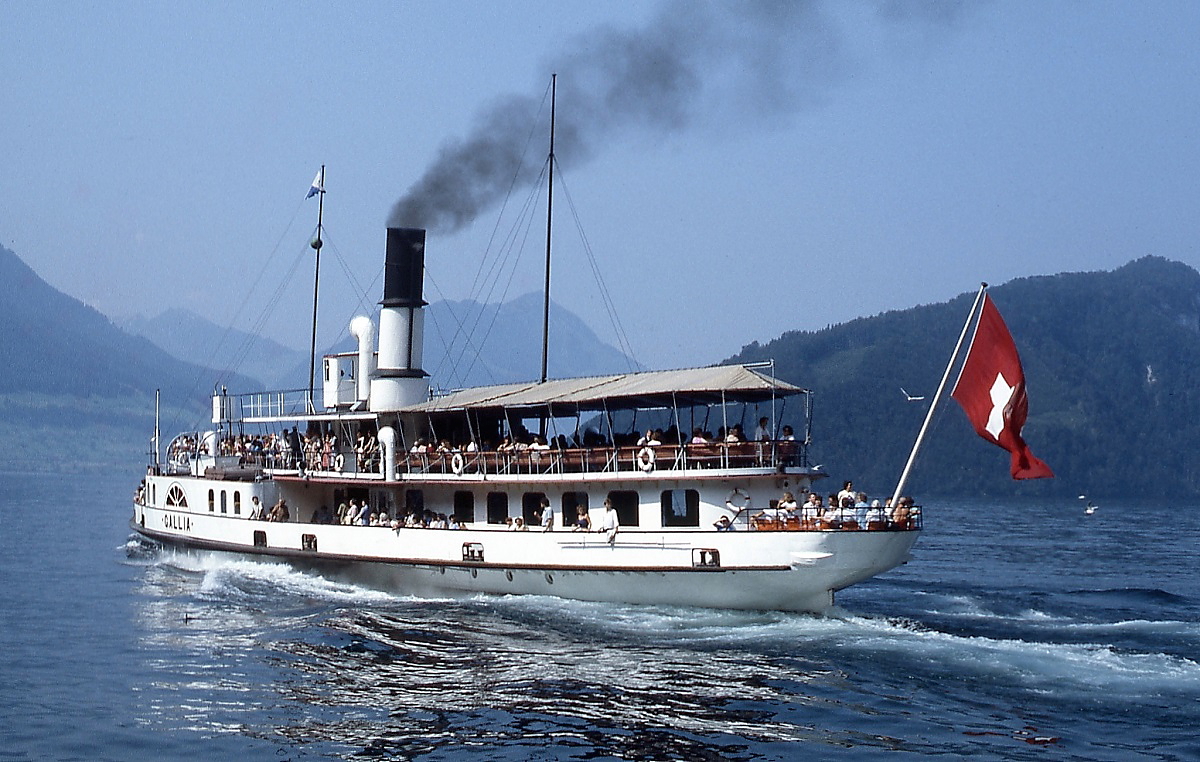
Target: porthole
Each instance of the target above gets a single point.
(549, 578)
(509, 575)
(474, 573)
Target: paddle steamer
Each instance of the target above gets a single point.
(379, 438)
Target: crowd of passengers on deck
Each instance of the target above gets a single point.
(323, 451)
(846, 509)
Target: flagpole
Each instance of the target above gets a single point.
(912, 456)
(316, 244)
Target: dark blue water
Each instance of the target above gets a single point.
(1020, 631)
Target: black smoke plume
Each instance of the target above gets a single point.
(743, 65)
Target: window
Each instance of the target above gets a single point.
(308, 542)
(211, 502)
(680, 508)
(224, 498)
(571, 503)
(497, 507)
(176, 497)
(414, 500)
(464, 505)
(237, 503)
(626, 503)
(531, 507)
(260, 538)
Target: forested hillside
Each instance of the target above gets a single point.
(1112, 361)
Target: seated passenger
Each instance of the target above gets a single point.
(698, 436)
(876, 516)
(583, 522)
(723, 524)
(787, 506)
(519, 525)
(256, 509)
(787, 435)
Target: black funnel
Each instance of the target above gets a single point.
(404, 269)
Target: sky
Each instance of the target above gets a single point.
(725, 172)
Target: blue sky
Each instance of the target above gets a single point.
(818, 161)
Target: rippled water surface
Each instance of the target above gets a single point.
(1020, 631)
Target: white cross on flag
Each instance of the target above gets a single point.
(991, 390)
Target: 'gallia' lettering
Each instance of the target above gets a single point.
(177, 522)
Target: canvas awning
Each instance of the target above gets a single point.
(654, 389)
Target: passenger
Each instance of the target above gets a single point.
(902, 513)
(256, 509)
(876, 516)
(787, 435)
(279, 512)
(547, 513)
(610, 524)
(508, 522)
(831, 518)
(519, 525)
(861, 507)
(723, 524)
(787, 509)
(762, 432)
(342, 510)
(652, 438)
(453, 523)
(352, 513)
(583, 522)
(698, 436)
(846, 492)
(812, 507)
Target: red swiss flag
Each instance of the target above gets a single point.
(991, 390)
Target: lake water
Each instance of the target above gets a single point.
(1022, 630)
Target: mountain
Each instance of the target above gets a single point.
(69, 370)
(188, 336)
(497, 343)
(1112, 363)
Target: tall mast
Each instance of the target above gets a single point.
(549, 221)
(316, 244)
(912, 456)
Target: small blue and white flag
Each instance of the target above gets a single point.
(318, 184)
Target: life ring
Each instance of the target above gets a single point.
(737, 499)
(339, 462)
(456, 463)
(645, 459)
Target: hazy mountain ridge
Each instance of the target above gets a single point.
(187, 336)
(1112, 361)
(70, 372)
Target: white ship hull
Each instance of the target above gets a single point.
(784, 570)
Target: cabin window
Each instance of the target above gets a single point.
(497, 507)
(308, 542)
(176, 498)
(211, 501)
(464, 505)
(224, 500)
(153, 494)
(531, 506)
(571, 503)
(237, 502)
(680, 508)
(626, 502)
(260, 538)
(414, 500)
